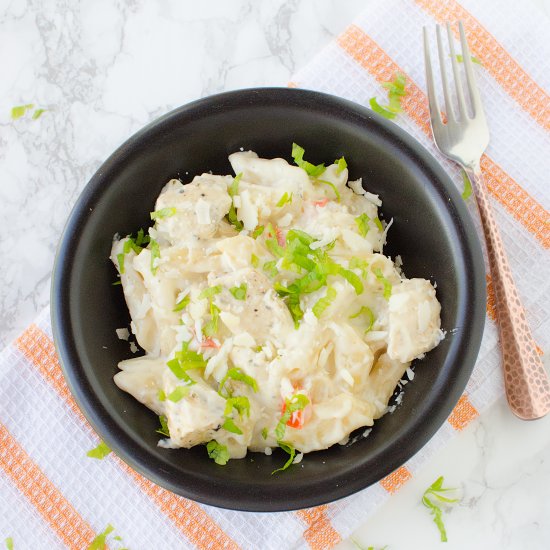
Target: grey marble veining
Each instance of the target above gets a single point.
(103, 69)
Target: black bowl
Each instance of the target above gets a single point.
(432, 232)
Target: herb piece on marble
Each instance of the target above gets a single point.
(19, 110)
(433, 498)
(38, 113)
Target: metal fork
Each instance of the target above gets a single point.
(464, 138)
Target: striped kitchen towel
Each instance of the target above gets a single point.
(54, 496)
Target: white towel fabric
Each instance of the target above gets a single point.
(54, 496)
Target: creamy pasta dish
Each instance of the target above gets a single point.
(268, 313)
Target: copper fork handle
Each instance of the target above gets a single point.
(525, 378)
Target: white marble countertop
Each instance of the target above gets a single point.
(104, 69)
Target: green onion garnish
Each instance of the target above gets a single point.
(466, 194)
(341, 165)
(182, 304)
(380, 110)
(333, 187)
(287, 448)
(385, 282)
(161, 395)
(362, 222)
(211, 327)
(120, 258)
(324, 302)
(310, 169)
(210, 291)
(9, 543)
(358, 263)
(434, 491)
(367, 311)
(155, 253)
(232, 214)
(295, 403)
(38, 113)
(99, 452)
(474, 59)
(239, 292)
(255, 261)
(257, 232)
(20, 110)
(240, 403)
(163, 213)
(178, 394)
(230, 426)
(378, 224)
(163, 430)
(217, 452)
(271, 268)
(238, 375)
(101, 540)
(396, 91)
(286, 198)
(264, 433)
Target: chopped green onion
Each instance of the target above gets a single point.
(99, 452)
(324, 302)
(9, 543)
(234, 187)
(255, 261)
(230, 426)
(210, 291)
(385, 282)
(238, 375)
(161, 395)
(287, 448)
(295, 403)
(370, 316)
(217, 452)
(178, 394)
(362, 222)
(378, 224)
(20, 110)
(474, 59)
(286, 198)
(275, 248)
(310, 169)
(120, 258)
(211, 327)
(155, 253)
(141, 238)
(38, 113)
(163, 430)
(333, 187)
(257, 232)
(358, 263)
(240, 403)
(341, 165)
(232, 214)
(352, 279)
(119, 282)
(239, 292)
(182, 304)
(271, 268)
(185, 360)
(380, 110)
(264, 433)
(163, 213)
(101, 540)
(435, 491)
(466, 194)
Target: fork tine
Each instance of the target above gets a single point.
(470, 76)
(458, 79)
(435, 111)
(446, 92)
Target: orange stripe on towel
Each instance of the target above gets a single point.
(524, 208)
(320, 534)
(396, 480)
(49, 502)
(463, 413)
(496, 60)
(187, 516)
